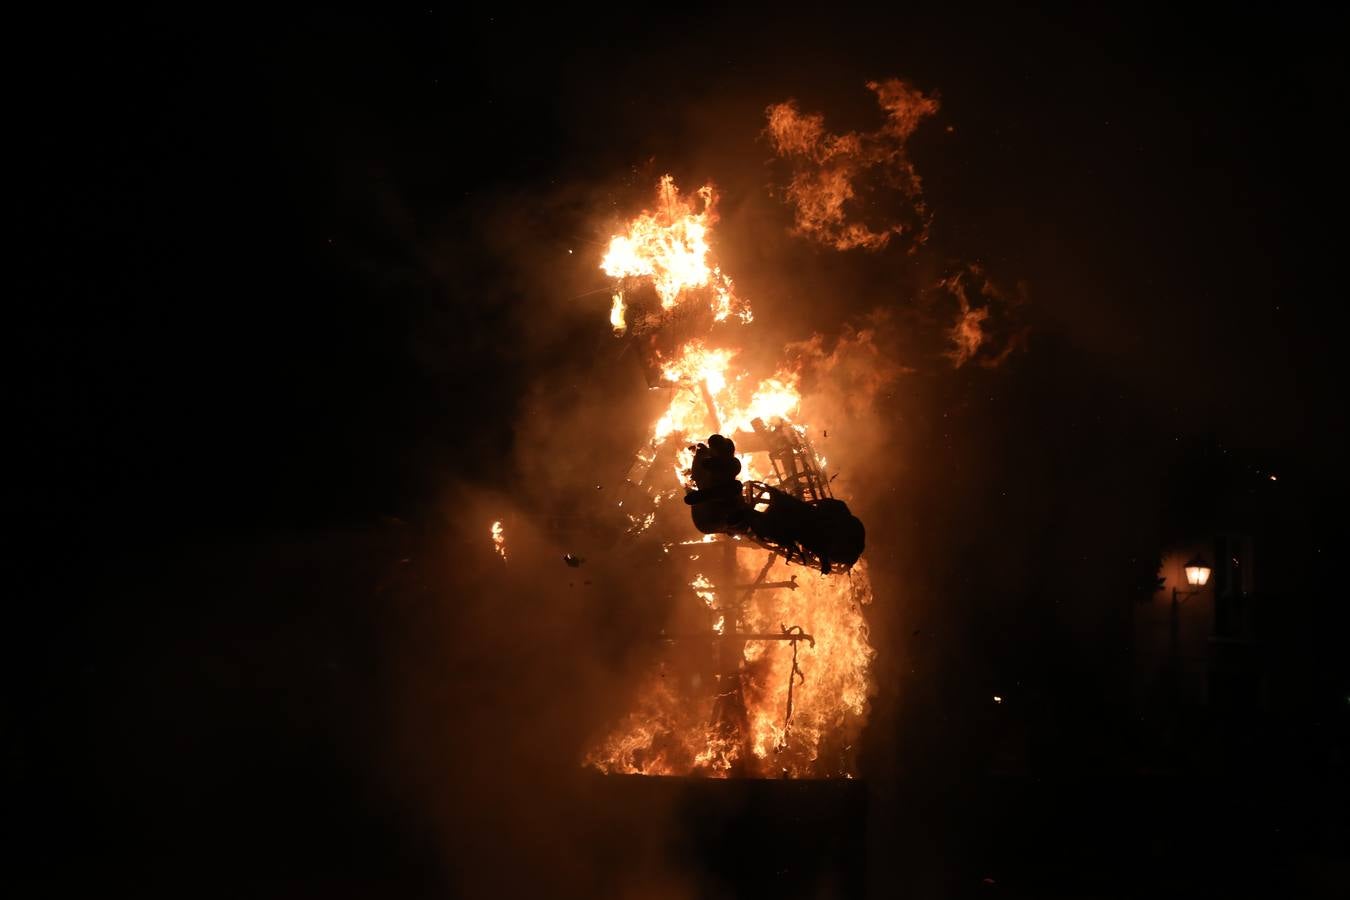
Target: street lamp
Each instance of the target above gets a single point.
(1197, 571)
(1197, 576)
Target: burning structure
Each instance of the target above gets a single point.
(764, 665)
(796, 517)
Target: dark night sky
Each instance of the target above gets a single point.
(237, 220)
(277, 273)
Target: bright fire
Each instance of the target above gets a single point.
(668, 247)
(717, 704)
(499, 540)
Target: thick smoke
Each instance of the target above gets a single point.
(843, 377)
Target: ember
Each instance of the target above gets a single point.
(499, 540)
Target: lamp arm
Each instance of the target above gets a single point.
(1178, 593)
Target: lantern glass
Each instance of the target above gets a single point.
(1197, 572)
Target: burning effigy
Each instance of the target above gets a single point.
(766, 672)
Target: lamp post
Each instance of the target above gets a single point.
(1197, 576)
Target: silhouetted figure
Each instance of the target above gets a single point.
(717, 506)
(834, 534)
(821, 530)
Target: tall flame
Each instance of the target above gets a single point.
(669, 247)
(668, 729)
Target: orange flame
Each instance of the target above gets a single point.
(669, 730)
(499, 540)
(972, 336)
(829, 169)
(669, 247)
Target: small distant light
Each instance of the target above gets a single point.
(998, 699)
(1273, 478)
